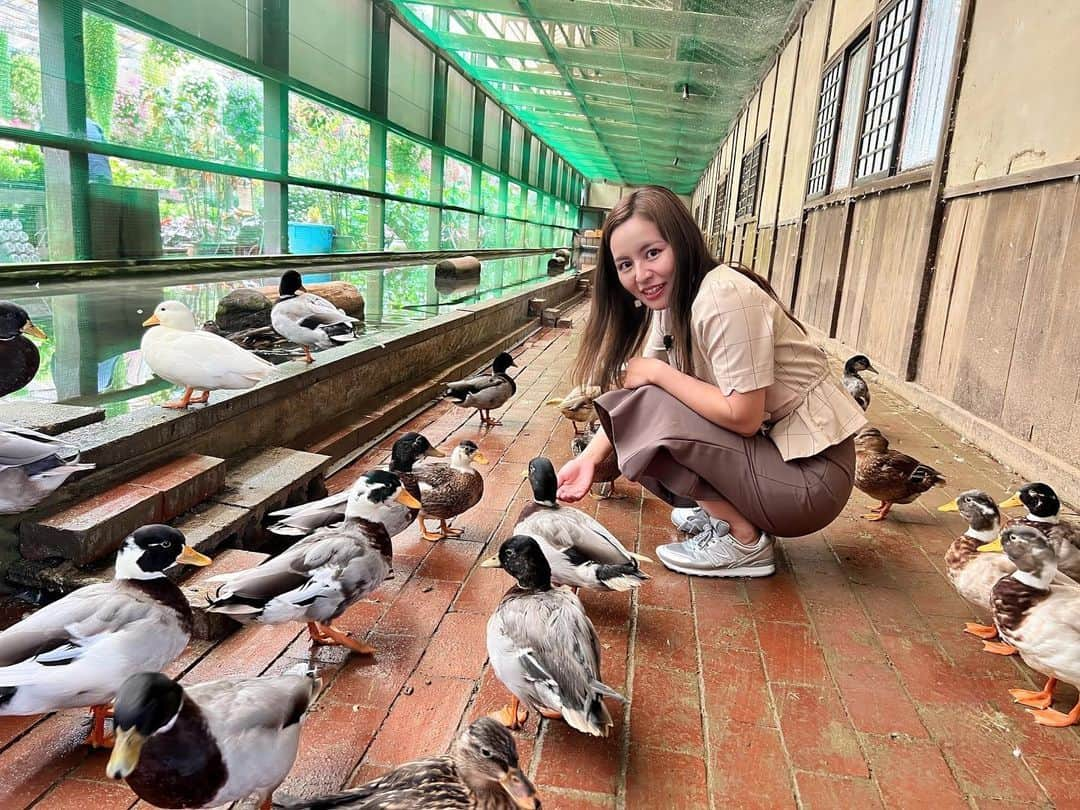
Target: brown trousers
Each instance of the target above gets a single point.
(682, 457)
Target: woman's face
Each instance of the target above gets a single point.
(645, 263)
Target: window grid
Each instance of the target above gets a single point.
(748, 181)
(828, 110)
(718, 214)
(892, 57)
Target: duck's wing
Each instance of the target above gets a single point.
(571, 530)
(473, 385)
(319, 307)
(205, 357)
(305, 518)
(434, 782)
(25, 448)
(62, 632)
(234, 706)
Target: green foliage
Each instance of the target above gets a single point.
(26, 89)
(243, 120)
(22, 163)
(99, 36)
(5, 77)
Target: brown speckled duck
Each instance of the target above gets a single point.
(606, 472)
(448, 490)
(889, 475)
(577, 406)
(481, 772)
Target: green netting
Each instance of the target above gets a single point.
(603, 82)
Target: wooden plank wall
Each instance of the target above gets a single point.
(823, 247)
(1003, 319)
(878, 277)
(763, 251)
(784, 260)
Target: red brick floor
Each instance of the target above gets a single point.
(842, 681)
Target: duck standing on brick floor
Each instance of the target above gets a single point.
(577, 406)
(974, 573)
(856, 385)
(480, 772)
(302, 520)
(19, 357)
(1039, 614)
(198, 360)
(543, 647)
(77, 650)
(579, 550)
(32, 467)
(209, 744)
(486, 392)
(606, 473)
(1044, 514)
(889, 475)
(449, 490)
(317, 578)
(309, 320)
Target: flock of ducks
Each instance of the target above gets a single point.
(1025, 575)
(202, 745)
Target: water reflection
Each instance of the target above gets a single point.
(92, 356)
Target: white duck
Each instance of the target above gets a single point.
(176, 351)
(309, 320)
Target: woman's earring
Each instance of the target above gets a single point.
(637, 303)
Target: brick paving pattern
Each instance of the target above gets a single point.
(842, 681)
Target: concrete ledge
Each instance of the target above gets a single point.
(1028, 461)
(298, 400)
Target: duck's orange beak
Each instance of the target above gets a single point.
(152, 321)
(34, 331)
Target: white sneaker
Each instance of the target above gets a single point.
(713, 552)
(689, 519)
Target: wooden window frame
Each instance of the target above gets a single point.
(825, 132)
(719, 217)
(899, 98)
(746, 204)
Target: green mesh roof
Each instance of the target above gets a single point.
(602, 82)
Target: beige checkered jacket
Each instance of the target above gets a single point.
(742, 341)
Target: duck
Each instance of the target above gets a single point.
(856, 385)
(973, 573)
(309, 320)
(317, 578)
(1043, 513)
(449, 490)
(209, 744)
(32, 467)
(300, 521)
(606, 473)
(889, 475)
(480, 772)
(19, 357)
(176, 351)
(76, 651)
(579, 550)
(485, 392)
(1036, 612)
(577, 406)
(543, 647)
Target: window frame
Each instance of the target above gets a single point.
(719, 213)
(839, 64)
(754, 154)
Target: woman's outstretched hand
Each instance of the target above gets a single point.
(575, 478)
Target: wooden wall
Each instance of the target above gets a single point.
(1003, 321)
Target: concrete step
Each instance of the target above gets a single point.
(93, 529)
(49, 418)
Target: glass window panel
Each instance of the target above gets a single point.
(410, 81)
(457, 182)
(854, 87)
(514, 204)
(346, 214)
(490, 232)
(151, 210)
(746, 204)
(492, 133)
(489, 194)
(407, 226)
(459, 112)
(517, 135)
(886, 84)
(532, 209)
(408, 167)
(515, 233)
(456, 229)
(146, 92)
(930, 81)
(20, 91)
(532, 235)
(326, 144)
(23, 233)
(534, 162)
(828, 105)
(330, 46)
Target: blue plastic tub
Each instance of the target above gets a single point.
(308, 238)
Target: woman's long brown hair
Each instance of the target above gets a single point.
(616, 328)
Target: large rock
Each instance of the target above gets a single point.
(249, 308)
(458, 266)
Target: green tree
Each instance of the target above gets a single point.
(5, 77)
(99, 35)
(242, 118)
(26, 88)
